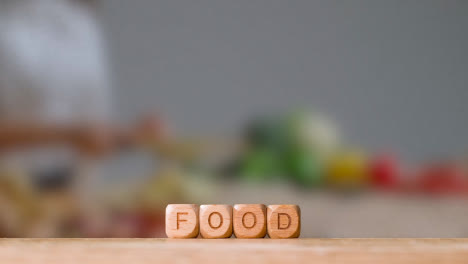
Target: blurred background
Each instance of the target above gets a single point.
(354, 110)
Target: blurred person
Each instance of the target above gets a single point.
(53, 72)
(54, 101)
(54, 98)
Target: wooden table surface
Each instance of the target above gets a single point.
(115, 251)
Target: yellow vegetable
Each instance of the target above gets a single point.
(348, 170)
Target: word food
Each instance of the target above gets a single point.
(244, 220)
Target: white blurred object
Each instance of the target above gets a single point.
(52, 66)
(53, 70)
(318, 132)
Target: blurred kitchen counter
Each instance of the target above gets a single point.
(329, 214)
(115, 251)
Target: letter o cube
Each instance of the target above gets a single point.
(249, 220)
(284, 221)
(215, 221)
(182, 221)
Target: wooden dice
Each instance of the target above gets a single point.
(284, 221)
(182, 220)
(249, 220)
(244, 220)
(216, 221)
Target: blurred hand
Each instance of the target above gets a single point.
(150, 130)
(95, 139)
(102, 139)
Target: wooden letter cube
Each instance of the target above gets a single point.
(216, 221)
(182, 220)
(249, 220)
(284, 221)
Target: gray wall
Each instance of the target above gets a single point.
(392, 73)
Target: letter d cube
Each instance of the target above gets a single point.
(284, 221)
(182, 221)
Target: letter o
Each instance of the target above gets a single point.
(254, 220)
(220, 220)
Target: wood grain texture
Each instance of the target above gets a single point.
(182, 220)
(249, 220)
(283, 221)
(142, 251)
(215, 221)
